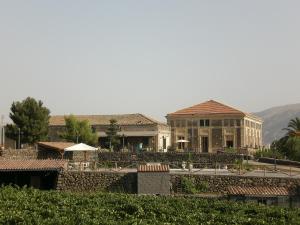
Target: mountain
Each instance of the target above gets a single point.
(276, 119)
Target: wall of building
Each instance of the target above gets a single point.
(19, 154)
(221, 130)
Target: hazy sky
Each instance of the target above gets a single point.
(152, 57)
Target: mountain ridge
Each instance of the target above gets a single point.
(276, 119)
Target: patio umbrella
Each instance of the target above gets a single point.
(80, 148)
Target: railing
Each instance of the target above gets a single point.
(193, 168)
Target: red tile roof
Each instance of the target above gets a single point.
(209, 107)
(32, 165)
(124, 119)
(60, 146)
(258, 191)
(153, 168)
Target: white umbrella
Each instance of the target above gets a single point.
(182, 141)
(80, 148)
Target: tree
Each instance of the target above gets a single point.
(112, 134)
(30, 121)
(79, 131)
(289, 145)
(293, 127)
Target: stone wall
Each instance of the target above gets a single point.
(127, 182)
(220, 183)
(169, 157)
(97, 181)
(18, 154)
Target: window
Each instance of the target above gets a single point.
(238, 123)
(204, 123)
(207, 124)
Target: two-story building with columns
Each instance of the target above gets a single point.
(212, 126)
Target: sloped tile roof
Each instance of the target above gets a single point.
(124, 119)
(258, 191)
(212, 108)
(60, 146)
(32, 165)
(153, 168)
(209, 107)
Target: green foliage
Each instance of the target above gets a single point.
(79, 131)
(29, 206)
(289, 145)
(112, 134)
(269, 153)
(231, 150)
(190, 186)
(29, 117)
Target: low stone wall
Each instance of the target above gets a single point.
(279, 162)
(97, 181)
(170, 157)
(18, 154)
(127, 182)
(220, 183)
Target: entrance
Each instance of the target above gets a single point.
(229, 144)
(204, 144)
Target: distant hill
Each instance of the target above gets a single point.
(277, 118)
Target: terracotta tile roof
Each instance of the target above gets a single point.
(32, 165)
(209, 107)
(124, 119)
(258, 191)
(153, 168)
(60, 146)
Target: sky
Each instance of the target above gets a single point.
(152, 57)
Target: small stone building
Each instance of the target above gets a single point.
(154, 179)
(136, 131)
(213, 126)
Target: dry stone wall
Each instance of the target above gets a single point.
(127, 182)
(97, 181)
(220, 183)
(18, 154)
(170, 157)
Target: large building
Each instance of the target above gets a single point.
(212, 126)
(136, 131)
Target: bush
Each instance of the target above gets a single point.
(268, 153)
(29, 206)
(190, 186)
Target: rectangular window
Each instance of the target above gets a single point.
(231, 123)
(202, 123)
(207, 124)
(238, 123)
(189, 123)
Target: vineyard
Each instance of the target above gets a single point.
(29, 206)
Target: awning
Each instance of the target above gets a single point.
(80, 147)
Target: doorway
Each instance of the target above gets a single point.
(204, 144)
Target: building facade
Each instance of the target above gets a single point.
(136, 131)
(213, 126)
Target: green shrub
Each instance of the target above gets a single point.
(188, 185)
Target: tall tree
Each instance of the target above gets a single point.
(30, 121)
(112, 134)
(289, 145)
(293, 127)
(79, 131)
